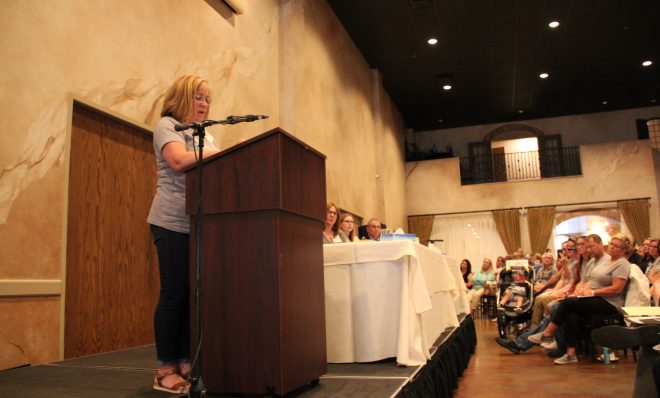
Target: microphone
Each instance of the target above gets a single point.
(246, 118)
(181, 127)
(229, 120)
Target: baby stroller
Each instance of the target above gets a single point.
(511, 320)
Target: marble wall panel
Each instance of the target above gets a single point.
(30, 330)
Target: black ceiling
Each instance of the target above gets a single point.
(493, 51)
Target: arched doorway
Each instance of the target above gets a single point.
(578, 223)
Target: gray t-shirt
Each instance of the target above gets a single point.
(168, 206)
(601, 275)
(544, 275)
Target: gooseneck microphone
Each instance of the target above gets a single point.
(229, 120)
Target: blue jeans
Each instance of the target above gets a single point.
(524, 344)
(172, 314)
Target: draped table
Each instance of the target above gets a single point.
(388, 299)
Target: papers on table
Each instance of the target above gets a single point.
(642, 315)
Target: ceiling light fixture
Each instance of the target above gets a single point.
(446, 87)
(520, 111)
(553, 24)
(647, 63)
(604, 102)
(544, 75)
(432, 41)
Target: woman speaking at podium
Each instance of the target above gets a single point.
(187, 101)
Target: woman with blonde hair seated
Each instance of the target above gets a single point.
(477, 281)
(347, 227)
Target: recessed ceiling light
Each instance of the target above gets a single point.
(521, 111)
(604, 102)
(446, 87)
(544, 75)
(647, 63)
(432, 41)
(553, 24)
(653, 100)
(440, 120)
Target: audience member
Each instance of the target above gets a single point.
(653, 272)
(331, 229)
(536, 261)
(373, 229)
(644, 251)
(600, 292)
(547, 271)
(500, 263)
(515, 294)
(585, 257)
(559, 286)
(477, 281)
(636, 258)
(347, 227)
(466, 269)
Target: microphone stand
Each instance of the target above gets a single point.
(197, 388)
(197, 385)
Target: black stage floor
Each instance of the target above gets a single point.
(129, 373)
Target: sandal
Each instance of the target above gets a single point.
(185, 369)
(178, 388)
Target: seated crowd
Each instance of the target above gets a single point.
(587, 279)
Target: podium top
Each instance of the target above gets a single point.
(272, 171)
(262, 136)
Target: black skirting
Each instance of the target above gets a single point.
(439, 378)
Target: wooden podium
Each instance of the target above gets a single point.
(262, 292)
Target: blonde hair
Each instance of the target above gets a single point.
(179, 102)
(341, 218)
(625, 241)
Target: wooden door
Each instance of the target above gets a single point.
(111, 269)
(481, 158)
(551, 156)
(499, 164)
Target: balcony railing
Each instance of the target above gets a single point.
(517, 166)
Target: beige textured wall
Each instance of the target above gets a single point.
(289, 59)
(613, 171)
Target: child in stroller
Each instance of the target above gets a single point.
(515, 297)
(515, 294)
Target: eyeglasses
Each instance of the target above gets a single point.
(349, 221)
(570, 249)
(201, 98)
(332, 213)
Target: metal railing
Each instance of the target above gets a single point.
(518, 166)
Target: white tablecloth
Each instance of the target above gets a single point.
(388, 299)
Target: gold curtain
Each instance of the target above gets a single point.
(422, 227)
(541, 220)
(508, 227)
(636, 214)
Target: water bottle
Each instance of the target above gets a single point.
(606, 355)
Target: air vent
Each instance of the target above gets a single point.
(420, 3)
